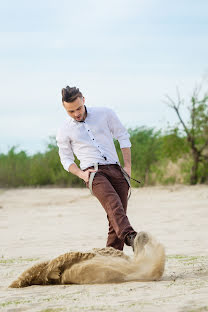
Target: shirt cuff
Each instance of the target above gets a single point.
(67, 164)
(124, 143)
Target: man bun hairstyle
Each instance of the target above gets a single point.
(70, 94)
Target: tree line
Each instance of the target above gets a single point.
(177, 155)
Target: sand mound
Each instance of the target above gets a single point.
(104, 265)
(110, 251)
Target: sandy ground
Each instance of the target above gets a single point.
(39, 224)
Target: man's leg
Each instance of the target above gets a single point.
(122, 191)
(111, 201)
(121, 186)
(113, 240)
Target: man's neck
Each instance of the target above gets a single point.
(85, 115)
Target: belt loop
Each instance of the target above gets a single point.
(92, 175)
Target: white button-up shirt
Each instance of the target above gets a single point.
(91, 140)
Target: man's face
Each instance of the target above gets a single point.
(76, 109)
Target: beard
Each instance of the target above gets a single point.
(81, 117)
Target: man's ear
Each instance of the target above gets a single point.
(83, 99)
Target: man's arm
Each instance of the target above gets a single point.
(84, 175)
(67, 157)
(126, 152)
(122, 135)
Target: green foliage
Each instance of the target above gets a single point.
(198, 122)
(145, 152)
(19, 169)
(12, 165)
(157, 158)
(196, 133)
(203, 172)
(173, 145)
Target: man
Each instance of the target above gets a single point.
(88, 134)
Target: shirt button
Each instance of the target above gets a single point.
(93, 139)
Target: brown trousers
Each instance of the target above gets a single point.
(111, 189)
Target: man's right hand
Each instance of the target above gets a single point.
(85, 175)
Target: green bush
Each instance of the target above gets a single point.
(157, 158)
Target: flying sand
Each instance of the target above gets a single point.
(106, 265)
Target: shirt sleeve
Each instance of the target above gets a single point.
(118, 131)
(65, 150)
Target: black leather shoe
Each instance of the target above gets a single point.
(129, 240)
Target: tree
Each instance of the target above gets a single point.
(196, 130)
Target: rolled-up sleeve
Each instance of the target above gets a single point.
(118, 131)
(65, 150)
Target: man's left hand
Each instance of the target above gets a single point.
(128, 170)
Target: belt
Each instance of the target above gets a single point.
(101, 166)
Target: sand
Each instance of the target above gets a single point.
(40, 224)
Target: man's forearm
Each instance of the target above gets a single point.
(126, 152)
(74, 169)
(84, 175)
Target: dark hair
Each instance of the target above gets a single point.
(70, 94)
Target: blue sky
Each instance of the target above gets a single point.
(122, 54)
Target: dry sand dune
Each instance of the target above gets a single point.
(40, 224)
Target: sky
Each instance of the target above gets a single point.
(126, 55)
